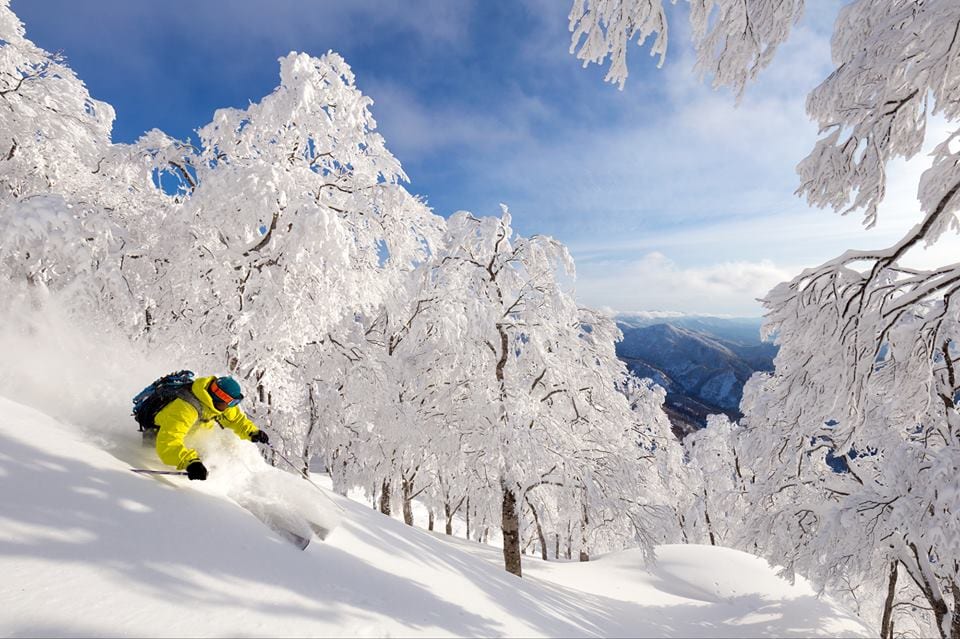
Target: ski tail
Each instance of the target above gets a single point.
(148, 471)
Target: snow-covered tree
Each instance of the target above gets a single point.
(52, 133)
(718, 480)
(869, 346)
(868, 343)
(550, 414)
(297, 221)
(74, 206)
(735, 39)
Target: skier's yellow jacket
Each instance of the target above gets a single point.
(178, 418)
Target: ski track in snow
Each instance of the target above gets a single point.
(89, 548)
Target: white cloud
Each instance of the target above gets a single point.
(673, 152)
(655, 282)
(704, 274)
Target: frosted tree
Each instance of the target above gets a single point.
(735, 39)
(52, 133)
(867, 342)
(347, 381)
(719, 478)
(298, 220)
(74, 205)
(413, 413)
(386, 370)
(869, 345)
(549, 414)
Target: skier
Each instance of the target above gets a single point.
(209, 401)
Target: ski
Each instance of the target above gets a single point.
(283, 532)
(295, 525)
(293, 538)
(320, 531)
(147, 471)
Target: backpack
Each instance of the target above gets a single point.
(158, 394)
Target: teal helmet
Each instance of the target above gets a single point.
(227, 390)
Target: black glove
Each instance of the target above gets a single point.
(260, 437)
(196, 470)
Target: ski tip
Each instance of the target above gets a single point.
(293, 538)
(321, 532)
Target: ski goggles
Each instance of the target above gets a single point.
(222, 395)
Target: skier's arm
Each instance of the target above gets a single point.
(235, 419)
(175, 420)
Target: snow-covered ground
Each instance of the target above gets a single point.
(89, 548)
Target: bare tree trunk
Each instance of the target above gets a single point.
(430, 519)
(527, 544)
(706, 518)
(342, 490)
(955, 620)
(510, 526)
(338, 477)
(886, 624)
(311, 428)
(406, 487)
(919, 572)
(940, 614)
(540, 535)
(449, 511)
(448, 516)
(584, 522)
(385, 497)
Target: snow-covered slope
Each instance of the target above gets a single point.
(89, 548)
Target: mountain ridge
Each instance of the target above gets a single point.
(701, 361)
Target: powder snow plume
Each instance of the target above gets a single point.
(82, 372)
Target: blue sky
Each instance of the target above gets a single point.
(669, 195)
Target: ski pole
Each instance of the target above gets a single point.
(304, 475)
(291, 464)
(147, 471)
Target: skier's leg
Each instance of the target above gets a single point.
(150, 437)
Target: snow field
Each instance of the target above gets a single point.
(89, 548)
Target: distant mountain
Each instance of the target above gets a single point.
(701, 361)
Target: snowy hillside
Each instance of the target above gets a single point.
(90, 548)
